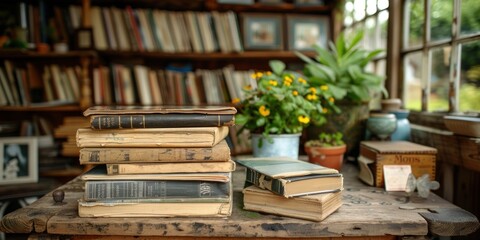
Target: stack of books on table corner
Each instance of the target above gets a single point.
(290, 187)
(156, 161)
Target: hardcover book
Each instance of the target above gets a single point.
(312, 207)
(99, 172)
(151, 137)
(147, 209)
(115, 117)
(291, 177)
(146, 168)
(218, 153)
(157, 191)
(375, 154)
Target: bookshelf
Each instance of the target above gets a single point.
(131, 48)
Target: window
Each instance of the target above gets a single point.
(371, 17)
(441, 55)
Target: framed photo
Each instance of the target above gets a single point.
(18, 160)
(84, 39)
(262, 31)
(304, 31)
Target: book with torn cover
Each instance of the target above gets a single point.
(146, 168)
(291, 177)
(151, 137)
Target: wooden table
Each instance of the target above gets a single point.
(367, 212)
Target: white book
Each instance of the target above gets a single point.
(97, 87)
(120, 29)
(154, 87)
(228, 74)
(99, 36)
(163, 31)
(176, 33)
(234, 31)
(11, 80)
(47, 82)
(141, 78)
(206, 31)
(109, 29)
(220, 31)
(74, 82)
(192, 86)
(6, 87)
(57, 83)
(67, 86)
(75, 15)
(185, 38)
(127, 83)
(193, 31)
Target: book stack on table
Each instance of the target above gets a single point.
(157, 161)
(291, 187)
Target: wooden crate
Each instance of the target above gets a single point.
(379, 153)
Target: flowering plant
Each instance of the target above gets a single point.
(283, 102)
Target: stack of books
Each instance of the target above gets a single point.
(156, 161)
(291, 187)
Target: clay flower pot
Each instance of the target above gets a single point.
(331, 157)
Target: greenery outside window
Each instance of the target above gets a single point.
(441, 55)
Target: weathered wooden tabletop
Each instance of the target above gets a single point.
(366, 211)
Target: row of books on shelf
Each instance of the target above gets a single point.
(188, 173)
(139, 29)
(28, 85)
(128, 85)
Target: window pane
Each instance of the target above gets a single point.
(415, 18)
(470, 19)
(469, 93)
(348, 13)
(383, 21)
(371, 7)
(359, 10)
(441, 19)
(370, 36)
(412, 92)
(439, 79)
(382, 4)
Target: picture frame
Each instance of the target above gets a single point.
(306, 30)
(84, 39)
(18, 160)
(262, 31)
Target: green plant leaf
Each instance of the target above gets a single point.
(277, 66)
(260, 122)
(337, 92)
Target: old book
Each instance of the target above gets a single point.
(111, 117)
(218, 153)
(152, 137)
(375, 154)
(99, 172)
(163, 209)
(147, 168)
(156, 191)
(312, 207)
(291, 177)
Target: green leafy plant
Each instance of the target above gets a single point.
(342, 69)
(326, 140)
(283, 102)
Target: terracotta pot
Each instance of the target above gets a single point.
(331, 157)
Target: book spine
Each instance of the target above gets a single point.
(161, 120)
(122, 155)
(112, 190)
(264, 182)
(153, 168)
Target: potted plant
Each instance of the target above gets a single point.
(326, 150)
(280, 106)
(342, 69)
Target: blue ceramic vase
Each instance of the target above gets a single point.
(381, 125)
(402, 133)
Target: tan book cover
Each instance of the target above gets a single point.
(375, 154)
(218, 153)
(312, 207)
(151, 137)
(151, 168)
(161, 209)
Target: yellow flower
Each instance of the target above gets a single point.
(313, 90)
(268, 73)
(324, 110)
(331, 99)
(247, 87)
(259, 74)
(312, 97)
(287, 79)
(295, 92)
(303, 119)
(301, 80)
(324, 88)
(273, 82)
(287, 83)
(235, 100)
(263, 111)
